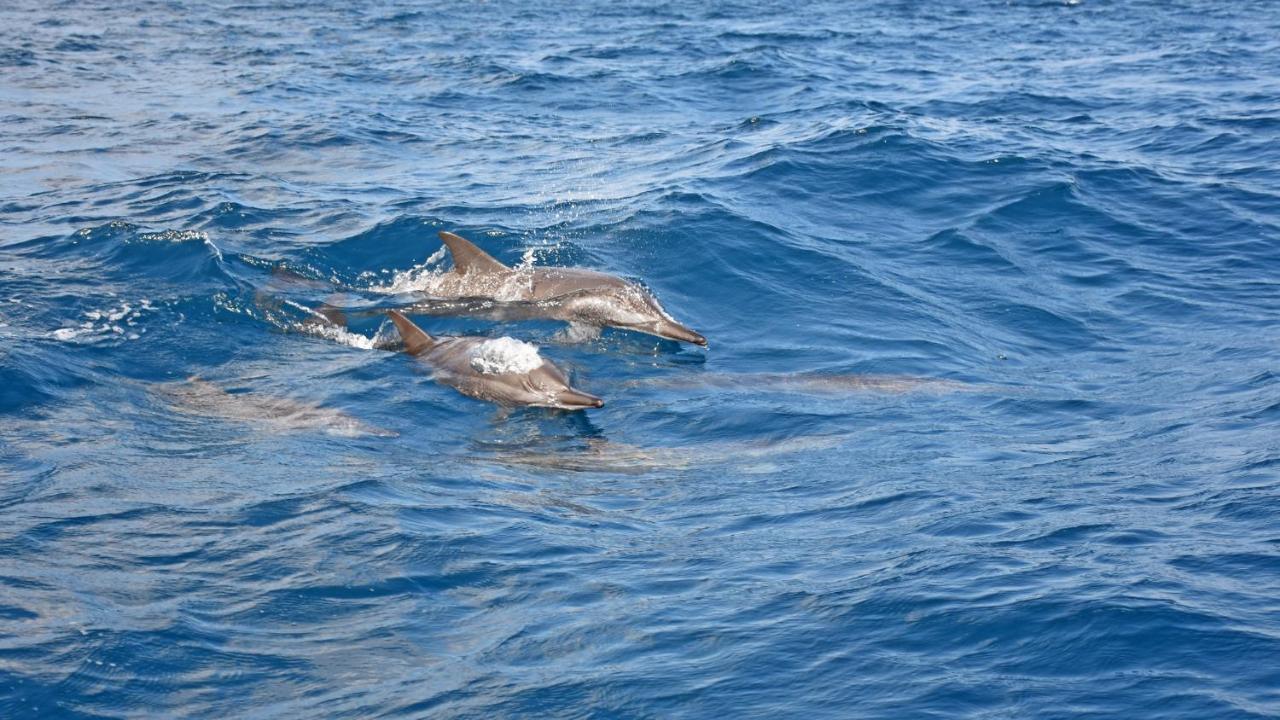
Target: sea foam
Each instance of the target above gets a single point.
(505, 355)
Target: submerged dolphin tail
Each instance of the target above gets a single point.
(416, 341)
(467, 258)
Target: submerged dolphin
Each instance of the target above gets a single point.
(503, 371)
(266, 412)
(583, 297)
(600, 455)
(811, 382)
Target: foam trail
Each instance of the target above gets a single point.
(321, 326)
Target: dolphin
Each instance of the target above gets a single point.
(601, 455)
(578, 296)
(266, 412)
(503, 371)
(811, 382)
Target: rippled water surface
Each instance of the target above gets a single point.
(989, 425)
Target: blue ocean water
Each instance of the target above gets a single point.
(988, 425)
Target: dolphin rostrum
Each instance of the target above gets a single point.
(503, 371)
(582, 297)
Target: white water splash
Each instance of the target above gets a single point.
(324, 327)
(425, 277)
(339, 335)
(577, 333)
(112, 323)
(505, 355)
(419, 278)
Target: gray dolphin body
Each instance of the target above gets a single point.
(574, 295)
(458, 363)
(271, 413)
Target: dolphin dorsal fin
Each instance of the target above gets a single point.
(416, 341)
(468, 258)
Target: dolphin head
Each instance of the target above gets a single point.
(631, 306)
(549, 381)
(639, 310)
(544, 386)
(513, 373)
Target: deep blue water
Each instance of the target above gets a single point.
(1023, 257)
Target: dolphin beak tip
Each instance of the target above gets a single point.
(577, 400)
(678, 332)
